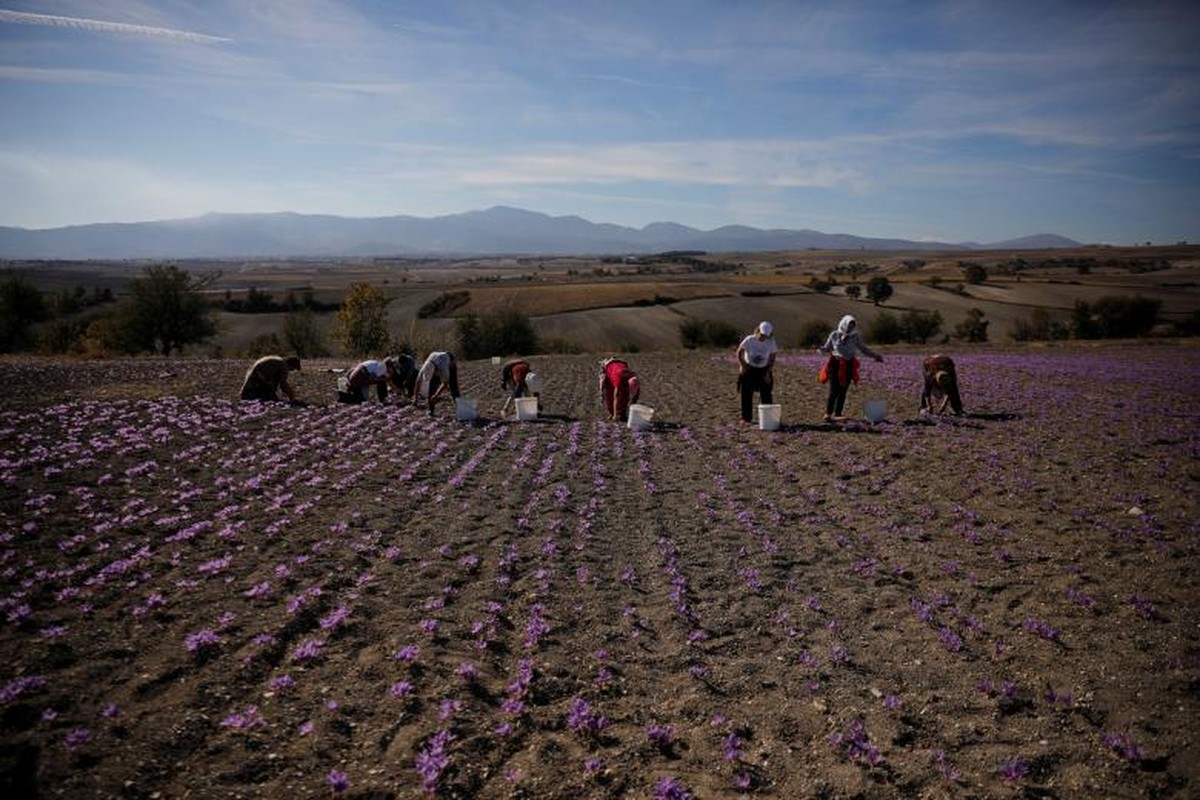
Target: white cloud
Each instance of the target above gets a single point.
(102, 26)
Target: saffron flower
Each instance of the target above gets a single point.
(338, 782)
(308, 650)
(200, 641)
(1014, 770)
(671, 789)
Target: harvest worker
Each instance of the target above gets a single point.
(398, 373)
(941, 386)
(438, 375)
(269, 376)
(619, 387)
(517, 378)
(756, 358)
(842, 347)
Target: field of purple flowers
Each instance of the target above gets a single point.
(207, 598)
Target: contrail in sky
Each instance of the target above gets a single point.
(23, 18)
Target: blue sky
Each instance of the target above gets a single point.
(955, 121)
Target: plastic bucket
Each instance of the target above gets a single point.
(875, 410)
(495, 361)
(465, 409)
(527, 408)
(534, 382)
(343, 384)
(769, 416)
(640, 417)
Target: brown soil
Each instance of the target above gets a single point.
(998, 605)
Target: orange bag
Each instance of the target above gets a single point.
(823, 373)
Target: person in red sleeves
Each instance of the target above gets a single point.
(619, 387)
(842, 347)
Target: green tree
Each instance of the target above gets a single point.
(879, 289)
(921, 326)
(303, 335)
(1125, 317)
(497, 333)
(164, 311)
(885, 329)
(973, 328)
(853, 290)
(21, 307)
(974, 273)
(1083, 326)
(361, 322)
(708, 333)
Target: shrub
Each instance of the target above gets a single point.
(303, 336)
(444, 304)
(814, 333)
(1038, 327)
(1119, 317)
(361, 323)
(973, 328)
(708, 333)
(853, 290)
(496, 333)
(885, 329)
(921, 326)
(974, 273)
(21, 306)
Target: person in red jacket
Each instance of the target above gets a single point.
(619, 387)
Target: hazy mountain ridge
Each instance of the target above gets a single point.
(497, 230)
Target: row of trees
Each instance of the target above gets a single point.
(164, 310)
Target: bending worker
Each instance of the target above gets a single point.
(619, 387)
(269, 376)
(941, 386)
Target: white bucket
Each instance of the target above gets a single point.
(875, 410)
(769, 416)
(495, 361)
(465, 409)
(640, 417)
(527, 408)
(534, 382)
(343, 384)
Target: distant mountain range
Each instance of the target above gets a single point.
(497, 231)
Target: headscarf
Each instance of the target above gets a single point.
(843, 329)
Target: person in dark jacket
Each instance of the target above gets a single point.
(268, 377)
(941, 386)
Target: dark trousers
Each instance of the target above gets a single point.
(259, 390)
(841, 375)
(755, 379)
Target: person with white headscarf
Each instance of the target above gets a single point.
(843, 346)
(756, 359)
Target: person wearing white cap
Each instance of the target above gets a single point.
(756, 359)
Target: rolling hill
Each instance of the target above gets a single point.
(497, 230)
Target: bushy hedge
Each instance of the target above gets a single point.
(697, 333)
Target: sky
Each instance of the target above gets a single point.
(956, 121)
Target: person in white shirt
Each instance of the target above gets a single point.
(756, 359)
(438, 375)
(395, 372)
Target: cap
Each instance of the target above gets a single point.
(765, 328)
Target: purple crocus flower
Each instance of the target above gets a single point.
(338, 781)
